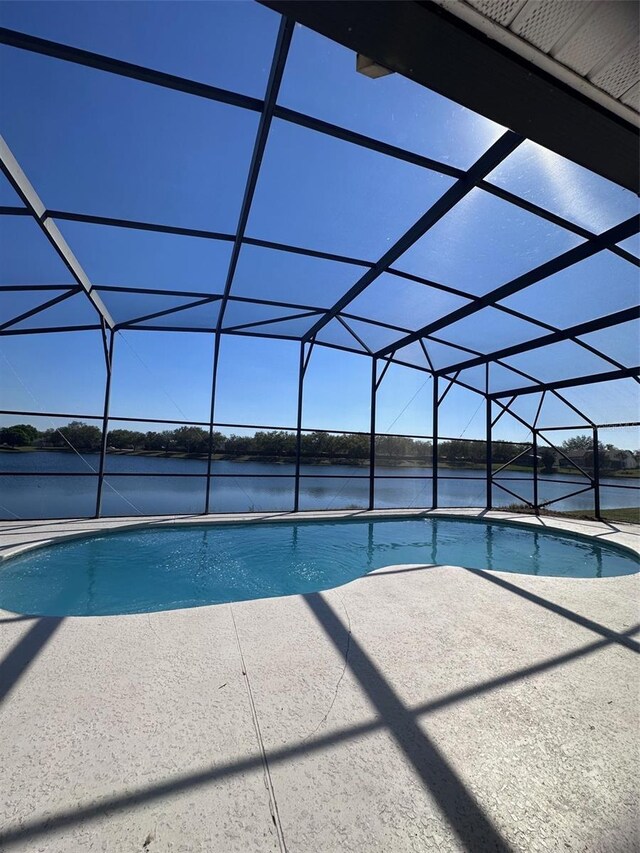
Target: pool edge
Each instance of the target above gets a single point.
(619, 535)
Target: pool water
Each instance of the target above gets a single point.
(153, 569)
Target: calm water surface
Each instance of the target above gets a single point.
(35, 496)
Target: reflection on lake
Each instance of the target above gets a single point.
(261, 486)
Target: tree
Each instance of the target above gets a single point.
(275, 443)
(191, 439)
(239, 445)
(81, 436)
(580, 443)
(505, 451)
(317, 445)
(20, 435)
(157, 440)
(351, 446)
(217, 442)
(548, 458)
(394, 450)
(125, 439)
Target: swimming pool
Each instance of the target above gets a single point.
(170, 567)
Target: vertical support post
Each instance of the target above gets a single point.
(534, 448)
(434, 449)
(489, 442)
(301, 372)
(105, 419)
(596, 474)
(212, 410)
(372, 437)
(489, 453)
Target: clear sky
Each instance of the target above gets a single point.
(95, 143)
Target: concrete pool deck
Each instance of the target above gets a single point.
(418, 708)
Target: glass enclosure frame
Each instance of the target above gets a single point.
(460, 360)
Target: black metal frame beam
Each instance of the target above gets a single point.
(507, 411)
(340, 317)
(596, 473)
(212, 406)
(571, 406)
(372, 432)
(89, 59)
(177, 230)
(513, 494)
(105, 422)
(302, 369)
(197, 89)
(283, 42)
(491, 158)
(289, 428)
(202, 234)
(564, 498)
(555, 337)
(314, 253)
(38, 308)
(21, 184)
(259, 323)
(34, 287)
(356, 337)
(571, 462)
(594, 378)
(573, 256)
(527, 449)
(300, 310)
(197, 303)
(53, 330)
(488, 431)
(281, 51)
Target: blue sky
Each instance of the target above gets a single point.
(95, 143)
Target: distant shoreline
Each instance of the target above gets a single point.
(279, 460)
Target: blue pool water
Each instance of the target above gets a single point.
(154, 569)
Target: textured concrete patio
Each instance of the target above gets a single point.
(415, 709)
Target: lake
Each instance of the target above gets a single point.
(260, 486)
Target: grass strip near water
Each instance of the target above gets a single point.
(629, 515)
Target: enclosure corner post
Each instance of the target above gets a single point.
(212, 410)
(534, 448)
(489, 453)
(434, 449)
(301, 372)
(488, 441)
(596, 475)
(372, 435)
(105, 420)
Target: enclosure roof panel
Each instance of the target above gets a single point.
(174, 37)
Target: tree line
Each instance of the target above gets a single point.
(282, 444)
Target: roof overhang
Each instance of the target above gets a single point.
(427, 43)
